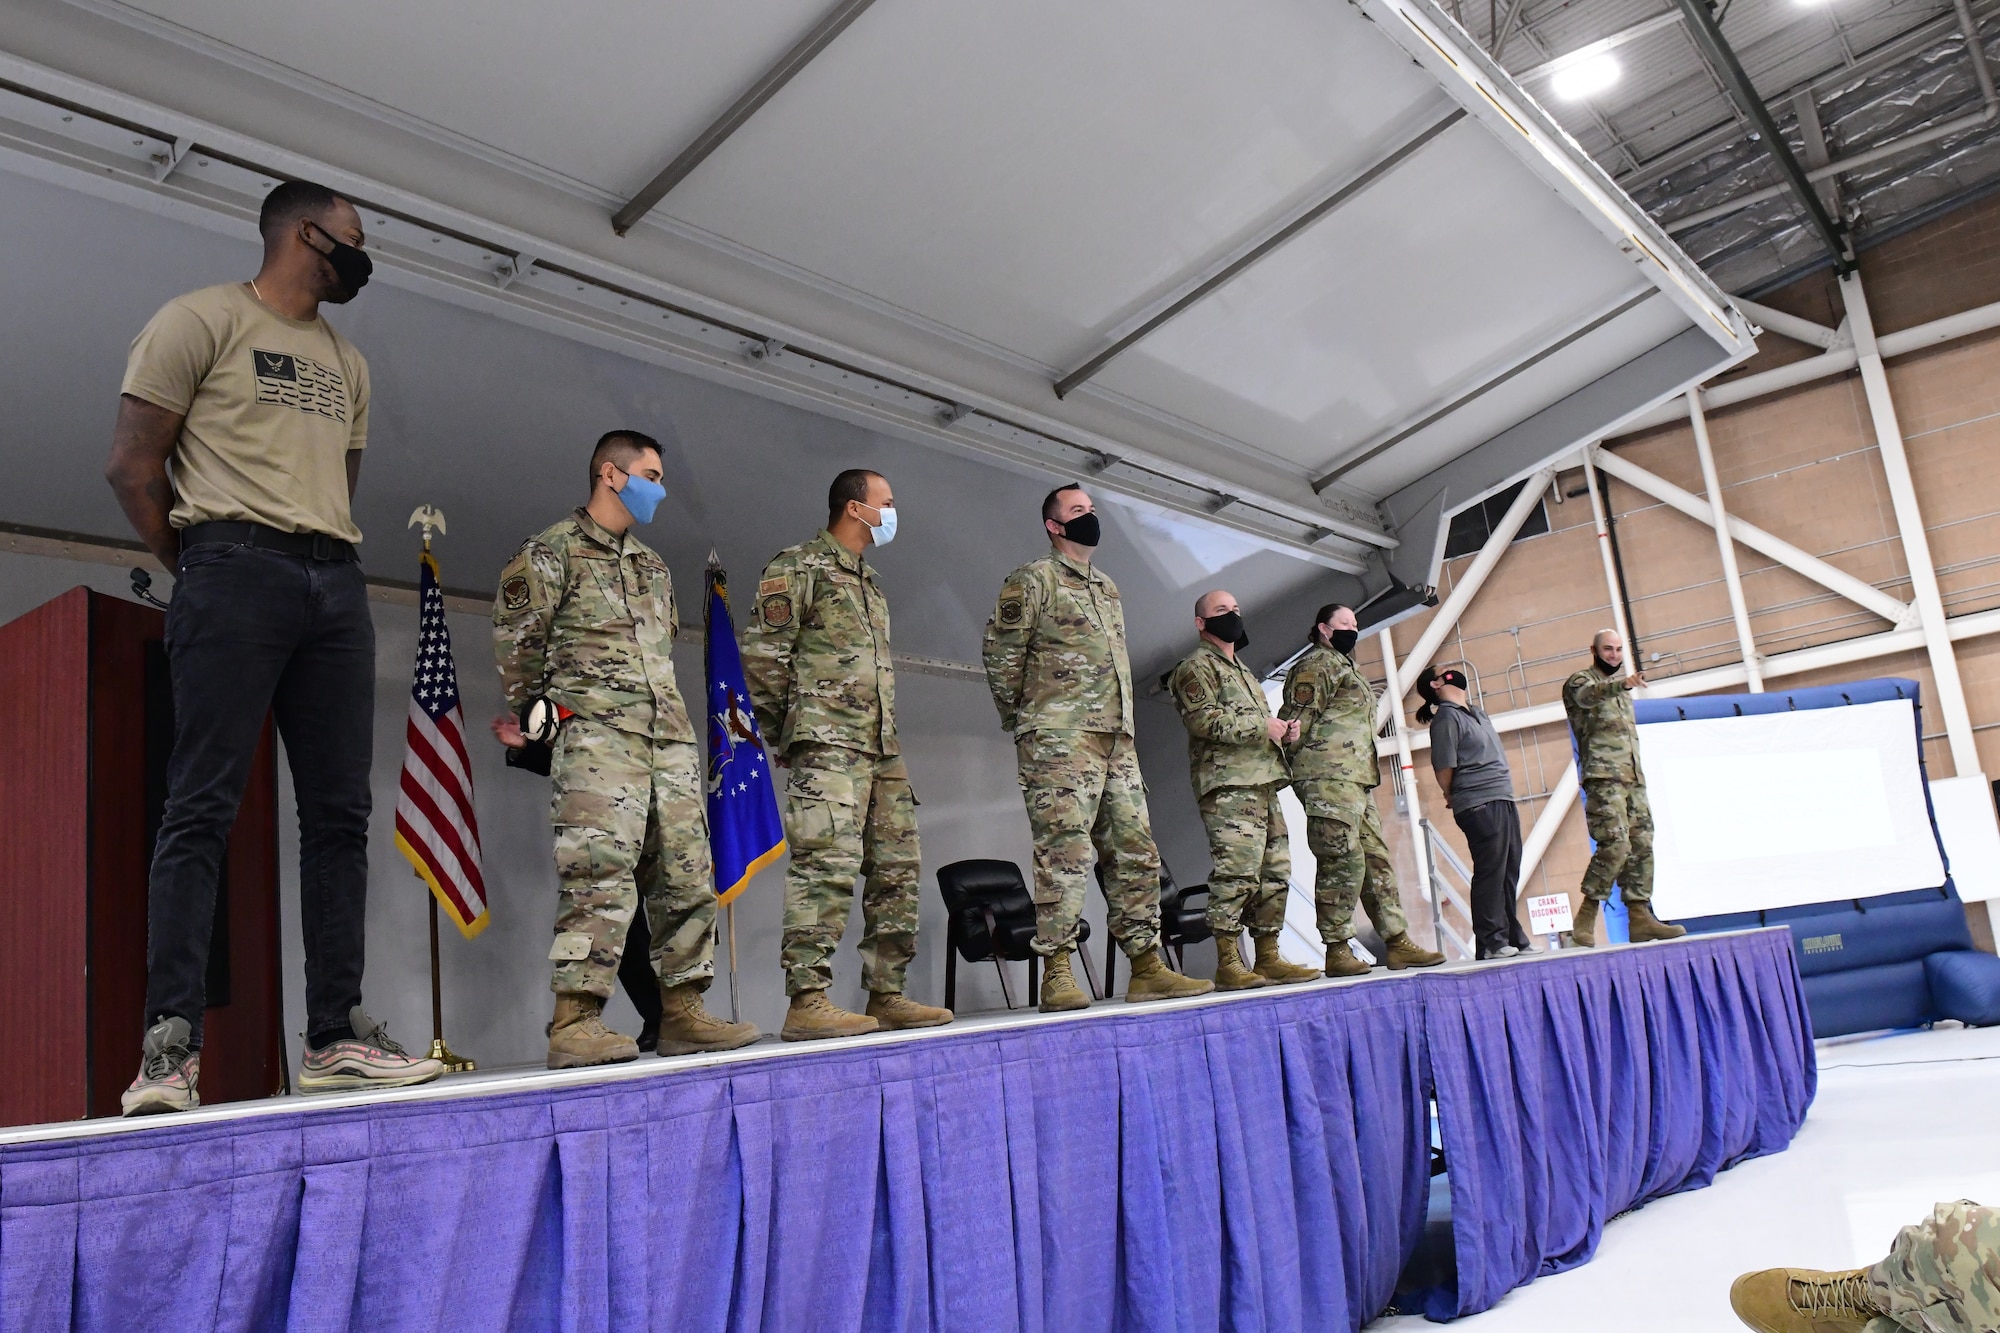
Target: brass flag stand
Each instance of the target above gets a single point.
(428, 518)
(453, 1063)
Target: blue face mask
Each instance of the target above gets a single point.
(642, 495)
(884, 532)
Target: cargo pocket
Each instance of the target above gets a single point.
(817, 805)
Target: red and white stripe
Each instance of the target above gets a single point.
(434, 819)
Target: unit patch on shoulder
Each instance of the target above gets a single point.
(1011, 612)
(777, 611)
(514, 593)
(1302, 694)
(1195, 689)
(769, 586)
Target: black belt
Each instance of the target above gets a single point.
(311, 545)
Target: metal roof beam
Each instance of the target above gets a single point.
(1716, 51)
(744, 107)
(1602, 46)
(1234, 266)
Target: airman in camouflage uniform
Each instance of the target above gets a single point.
(585, 617)
(816, 658)
(1334, 775)
(1238, 770)
(1055, 661)
(1941, 1276)
(1598, 701)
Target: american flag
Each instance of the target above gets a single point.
(435, 826)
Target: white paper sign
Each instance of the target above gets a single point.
(1548, 914)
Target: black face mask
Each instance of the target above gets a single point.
(1342, 641)
(351, 266)
(1083, 530)
(1227, 627)
(1603, 665)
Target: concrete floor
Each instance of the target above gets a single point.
(1901, 1122)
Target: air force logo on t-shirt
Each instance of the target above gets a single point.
(287, 380)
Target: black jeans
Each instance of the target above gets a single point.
(1493, 832)
(252, 632)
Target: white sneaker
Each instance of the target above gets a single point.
(168, 1072)
(369, 1059)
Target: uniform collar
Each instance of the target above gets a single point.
(845, 558)
(1083, 569)
(1205, 646)
(597, 532)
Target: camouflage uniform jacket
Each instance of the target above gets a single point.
(1055, 650)
(816, 652)
(1222, 704)
(1335, 708)
(1607, 735)
(587, 617)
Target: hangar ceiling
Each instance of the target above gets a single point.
(1314, 273)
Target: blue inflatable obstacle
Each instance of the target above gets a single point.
(1896, 960)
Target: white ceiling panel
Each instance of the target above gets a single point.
(603, 93)
(1625, 338)
(1400, 299)
(1139, 139)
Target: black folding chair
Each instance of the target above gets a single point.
(1183, 921)
(991, 918)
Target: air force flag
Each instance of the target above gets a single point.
(744, 831)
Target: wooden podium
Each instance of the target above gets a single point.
(86, 713)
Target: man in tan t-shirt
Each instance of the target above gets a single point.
(238, 444)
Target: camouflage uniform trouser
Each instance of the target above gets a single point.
(1621, 824)
(1084, 792)
(1942, 1275)
(1251, 872)
(629, 820)
(1345, 835)
(849, 815)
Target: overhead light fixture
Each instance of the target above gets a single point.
(1593, 74)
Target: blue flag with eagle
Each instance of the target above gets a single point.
(745, 833)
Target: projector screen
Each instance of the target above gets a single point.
(1782, 809)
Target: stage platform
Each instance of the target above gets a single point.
(1260, 1160)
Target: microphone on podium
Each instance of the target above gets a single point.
(142, 588)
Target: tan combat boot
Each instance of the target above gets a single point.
(1583, 930)
(1272, 966)
(813, 1016)
(893, 1011)
(1405, 952)
(1152, 979)
(1804, 1300)
(1644, 927)
(687, 1028)
(578, 1037)
(1060, 993)
(1230, 974)
(1342, 961)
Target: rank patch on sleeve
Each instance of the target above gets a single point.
(1302, 694)
(769, 586)
(514, 593)
(778, 610)
(1010, 611)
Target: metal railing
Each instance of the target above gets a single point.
(1441, 858)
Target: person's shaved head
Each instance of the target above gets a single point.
(1210, 602)
(1605, 636)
